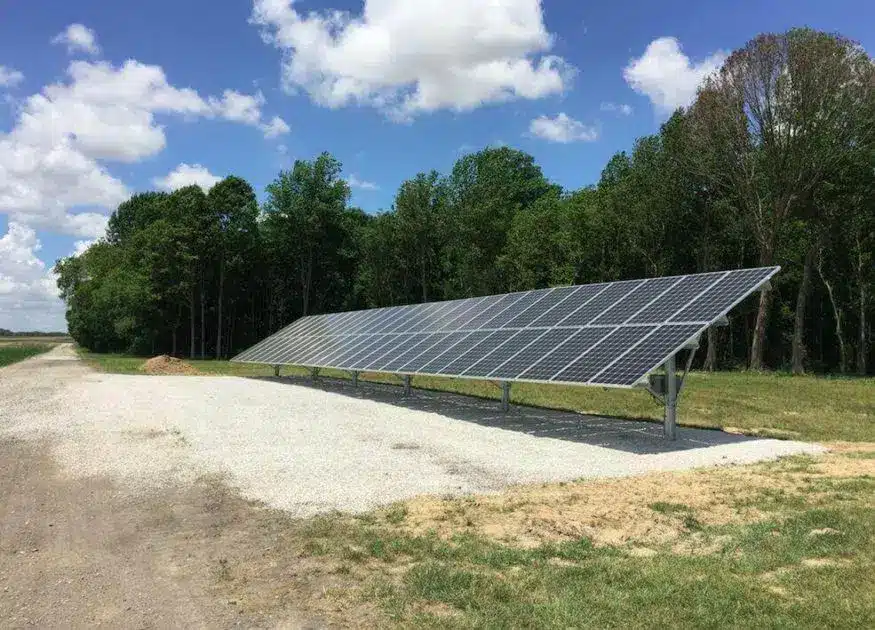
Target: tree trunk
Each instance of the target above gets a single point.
(862, 355)
(219, 316)
(759, 331)
(191, 320)
(423, 276)
(837, 314)
(798, 358)
(308, 281)
(203, 323)
(231, 328)
(757, 347)
(711, 355)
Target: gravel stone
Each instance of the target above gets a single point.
(311, 448)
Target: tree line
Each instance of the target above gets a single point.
(774, 163)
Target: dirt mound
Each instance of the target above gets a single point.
(165, 364)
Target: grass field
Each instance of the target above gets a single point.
(773, 404)
(14, 352)
(785, 544)
(34, 339)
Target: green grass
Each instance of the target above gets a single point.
(772, 404)
(13, 353)
(810, 564)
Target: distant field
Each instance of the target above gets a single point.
(36, 339)
(773, 404)
(13, 353)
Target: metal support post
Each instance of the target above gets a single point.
(407, 384)
(355, 379)
(671, 400)
(276, 370)
(314, 374)
(505, 396)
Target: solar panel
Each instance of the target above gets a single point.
(609, 334)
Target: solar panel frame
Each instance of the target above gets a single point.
(382, 324)
(576, 314)
(365, 318)
(482, 320)
(459, 322)
(589, 311)
(573, 301)
(372, 363)
(431, 311)
(373, 352)
(408, 316)
(559, 294)
(361, 343)
(420, 342)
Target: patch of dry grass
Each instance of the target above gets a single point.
(621, 511)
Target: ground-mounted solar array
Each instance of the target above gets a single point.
(610, 334)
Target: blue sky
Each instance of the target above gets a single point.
(103, 130)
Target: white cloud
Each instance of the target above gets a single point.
(275, 128)
(360, 184)
(186, 175)
(619, 108)
(78, 38)
(10, 77)
(40, 185)
(238, 107)
(406, 58)
(51, 162)
(667, 76)
(562, 129)
(28, 292)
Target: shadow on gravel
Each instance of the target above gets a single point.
(631, 436)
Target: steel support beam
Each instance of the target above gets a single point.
(355, 379)
(407, 385)
(505, 396)
(276, 370)
(314, 374)
(671, 400)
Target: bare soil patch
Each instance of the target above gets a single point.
(78, 553)
(167, 365)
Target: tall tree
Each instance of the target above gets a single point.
(486, 190)
(420, 208)
(233, 204)
(772, 123)
(187, 211)
(305, 221)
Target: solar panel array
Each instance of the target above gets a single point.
(610, 334)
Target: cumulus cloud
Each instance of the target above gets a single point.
(563, 129)
(10, 77)
(186, 175)
(360, 184)
(394, 58)
(78, 38)
(618, 108)
(51, 162)
(28, 290)
(275, 128)
(667, 76)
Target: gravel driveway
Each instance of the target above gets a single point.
(308, 449)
